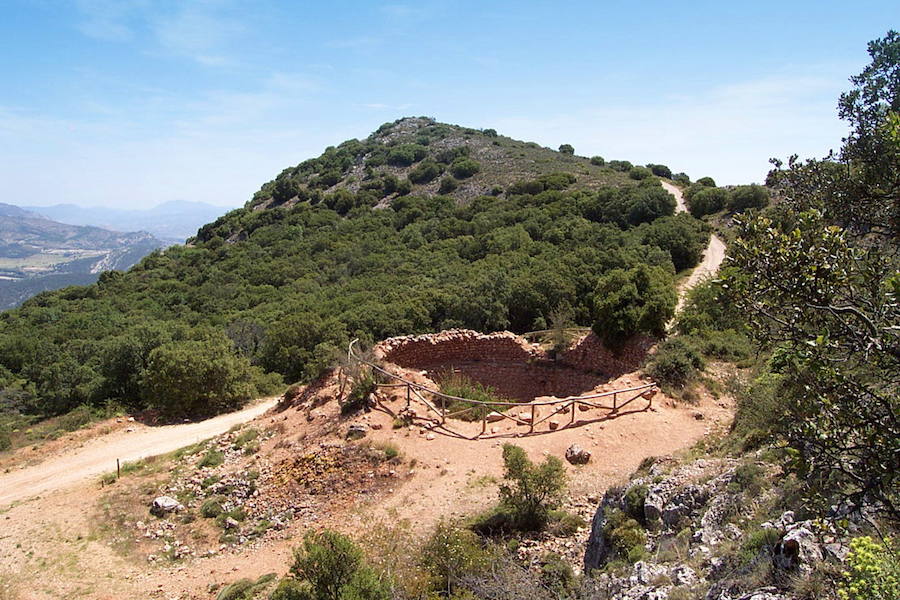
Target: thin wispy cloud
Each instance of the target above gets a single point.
(108, 20)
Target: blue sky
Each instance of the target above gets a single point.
(131, 103)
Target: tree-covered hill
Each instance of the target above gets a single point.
(279, 286)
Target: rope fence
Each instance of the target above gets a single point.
(569, 405)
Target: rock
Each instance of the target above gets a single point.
(577, 455)
(698, 415)
(231, 523)
(493, 417)
(645, 573)
(798, 549)
(376, 426)
(356, 431)
(494, 429)
(684, 575)
(429, 436)
(553, 424)
(598, 547)
(163, 505)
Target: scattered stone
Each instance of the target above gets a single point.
(553, 424)
(356, 431)
(698, 416)
(163, 505)
(493, 417)
(577, 455)
(429, 436)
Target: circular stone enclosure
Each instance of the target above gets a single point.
(503, 361)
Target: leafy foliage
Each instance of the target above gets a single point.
(873, 571)
(640, 300)
(531, 490)
(817, 276)
(333, 568)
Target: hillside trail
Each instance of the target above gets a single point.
(98, 456)
(713, 255)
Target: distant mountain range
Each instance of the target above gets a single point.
(171, 222)
(39, 254)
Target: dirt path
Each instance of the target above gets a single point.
(712, 256)
(99, 455)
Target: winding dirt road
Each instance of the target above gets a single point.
(99, 455)
(712, 256)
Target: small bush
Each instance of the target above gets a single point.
(634, 502)
(707, 181)
(660, 170)
(425, 172)
(748, 478)
(625, 535)
(245, 589)
(564, 524)
(681, 178)
(457, 384)
(558, 575)
(292, 589)
(464, 167)
(359, 395)
(448, 185)
(212, 458)
(620, 165)
(391, 451)
(406, 154)
(451, 553)
(567, 149)
(745, 197)
(212, 507)
(639, 173)
(335, 569)
(873, 571)
(247, 436)
(598, 161)
(530, 491)
(676, 362)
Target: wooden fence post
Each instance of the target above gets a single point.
(118, 469)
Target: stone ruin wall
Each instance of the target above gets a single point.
(589, 354)
(509, 364)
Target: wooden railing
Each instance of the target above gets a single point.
(571, 404)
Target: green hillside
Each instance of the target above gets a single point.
(281, 285)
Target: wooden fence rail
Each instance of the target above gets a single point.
(569, 404)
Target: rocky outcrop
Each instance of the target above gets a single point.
(694, 515)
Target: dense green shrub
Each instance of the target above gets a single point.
(707, 181)
(675, 363)
(425, 172)
(873, 571)
(566, 149)
(404, 155)
(744, 197)
(681, 178)
(450, 553)
(464, 167)
(626, 536)
(620, 165)
(198, 378)
(639, 173)
(683, 237)
(660, 170)
(708, 200)
(530, 491)
(640, 300)
(335, 569)
(598, 161)
(359, 394)
(448, 185)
